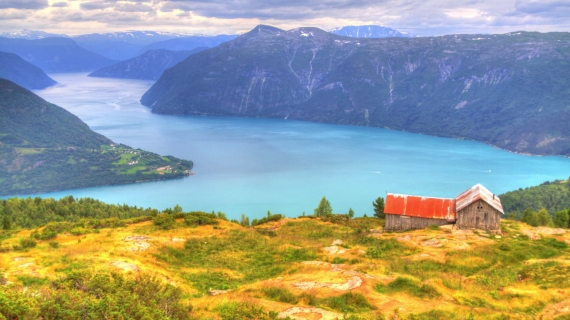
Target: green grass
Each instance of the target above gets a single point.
(410, 286)
(347, 302)
(32, 281)
(250, 255)
(280, 294)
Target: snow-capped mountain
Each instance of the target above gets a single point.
(30, 35)
(370, 31)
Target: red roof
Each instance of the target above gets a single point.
(478, 192)
(423, 207)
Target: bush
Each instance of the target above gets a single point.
(164, 221)
(79, 231)
(270, 217)
(409, 286)
(348, 302)
(199, 218)
(280, 294)
(54, 244)
(27, 243)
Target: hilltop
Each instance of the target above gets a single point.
(507, 90)
(45, 148)
(202, 266)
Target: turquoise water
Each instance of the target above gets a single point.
(253, 165)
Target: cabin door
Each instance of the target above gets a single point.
(477, 222)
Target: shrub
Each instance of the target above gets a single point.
(409, 286)
(199, 218)
(27, 243)
(280, 294)
(270, 217)
(348, 302)
(54, 244)
(79, 231)
(164, 221)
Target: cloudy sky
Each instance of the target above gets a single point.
(423, 17)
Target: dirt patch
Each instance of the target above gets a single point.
(549, 231)
(26, 265)
(556, 310)
(125, 266)
(531, 234)
(303, 313)
(354, 282)
(139, 246)
(137, 238)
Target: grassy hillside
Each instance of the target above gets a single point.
(201, 266)
(45, 148)
(509, 90)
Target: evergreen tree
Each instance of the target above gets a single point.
(351, 213)
(6, 225)
(379, 208)
(544, 219)
(244, 221)
(324, 209)
(530, 218)
(561, 219)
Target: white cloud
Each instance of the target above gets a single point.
(427, 17)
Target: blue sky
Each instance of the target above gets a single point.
(426, 17)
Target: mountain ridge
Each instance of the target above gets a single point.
(445, 86)
(23, 73)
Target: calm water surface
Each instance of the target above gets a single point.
(253, 165)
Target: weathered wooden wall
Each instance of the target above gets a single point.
(479, 215)
(399, 222)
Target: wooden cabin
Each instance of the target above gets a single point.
(474, 208)
(478, 208)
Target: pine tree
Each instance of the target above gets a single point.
(379, 208)
(6, 224)
(544, 218)
(351, 213)
(561, 219)
(324, 209)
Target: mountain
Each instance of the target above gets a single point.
(370, 31)
(149, 65)
(507, 90)
(188, 43)
(55, 54)
(45, 148)
(25, 74)
(122, 45)
(31, 34)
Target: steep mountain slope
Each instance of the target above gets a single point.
(508, 90)
(188, 43)
(149, 65)
(369, 31)
(121, 45)
(25, 74)
(55, 54)
(45, 148)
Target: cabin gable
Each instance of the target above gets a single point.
(479, 215)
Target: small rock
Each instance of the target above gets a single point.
(498, 237)
(218, 292)
(337, 242)
(19, 258)
(322, 314)
(315, 263)
(140, 246)
(26, 265)
(334, 250)
(432, 243)
(178, 239)
(484, 235)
